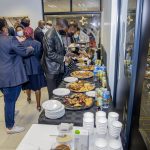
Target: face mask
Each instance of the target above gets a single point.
(76, 36)
(44, 30)
(62, 32)
(48, 27)
(20, 33)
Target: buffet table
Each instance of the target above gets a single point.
(71, 116)
(42, 137)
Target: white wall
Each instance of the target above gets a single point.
(106, 28)
(15, 8)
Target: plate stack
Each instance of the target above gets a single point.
(100, 144)
(114, 145)
(112, 116)
(53, 109)
(101, 126)
(115, 129)
(88, 122)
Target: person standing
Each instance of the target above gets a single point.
(48, 25)
(33, 67)
(12, 74)
(53, 58)
(25, 22)
(39, 32)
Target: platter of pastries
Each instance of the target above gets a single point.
(62, 147)
(87, 68)
(77, 101)
(82, 74)
(80, 86)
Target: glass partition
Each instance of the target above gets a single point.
(145, 105)
(86, 5)
(56, 5)
(131, 16)
(89, 23)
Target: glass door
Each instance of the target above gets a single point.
(144, 122)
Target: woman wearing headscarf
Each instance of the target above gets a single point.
(33, 67)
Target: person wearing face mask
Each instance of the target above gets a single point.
(71, 31)
(19, 33)
(39, 32)
(80, 36)
(49, 25)
(76, 36)
(53, 59)
(12, 74)
(33, 68)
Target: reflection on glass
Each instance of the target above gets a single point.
(86, 5)
(88, 23)
(56, 5)
(145, 105)
(131, 16)
(128, 57)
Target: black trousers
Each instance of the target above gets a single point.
(53, 82)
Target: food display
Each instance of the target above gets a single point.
(82, 74)
(77, 101)
(87, 68)
(80, 86)
(80, 64)
(62, 147)
(147, 75)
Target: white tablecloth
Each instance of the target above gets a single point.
(39, 137)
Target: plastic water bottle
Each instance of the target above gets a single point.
(95, 74)
(77, 140)
(105, 99)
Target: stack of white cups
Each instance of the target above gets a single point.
(115, 129)
(88, 122)
(100, 114)
(101, 126)
(101, 123)
(114, 145)
(101, 144)
(112, 116)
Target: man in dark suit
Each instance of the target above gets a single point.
(54, 54)
(38, 33)
(12, 74)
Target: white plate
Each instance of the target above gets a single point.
(56, 111)
(91, 93)
(70, 79)
(61, 92)
(51, 105)
(56, 116)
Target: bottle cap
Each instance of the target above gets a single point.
(77, 131)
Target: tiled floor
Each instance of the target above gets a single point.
(26, 117)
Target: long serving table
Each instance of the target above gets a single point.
(75, 117)
(42, 137)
